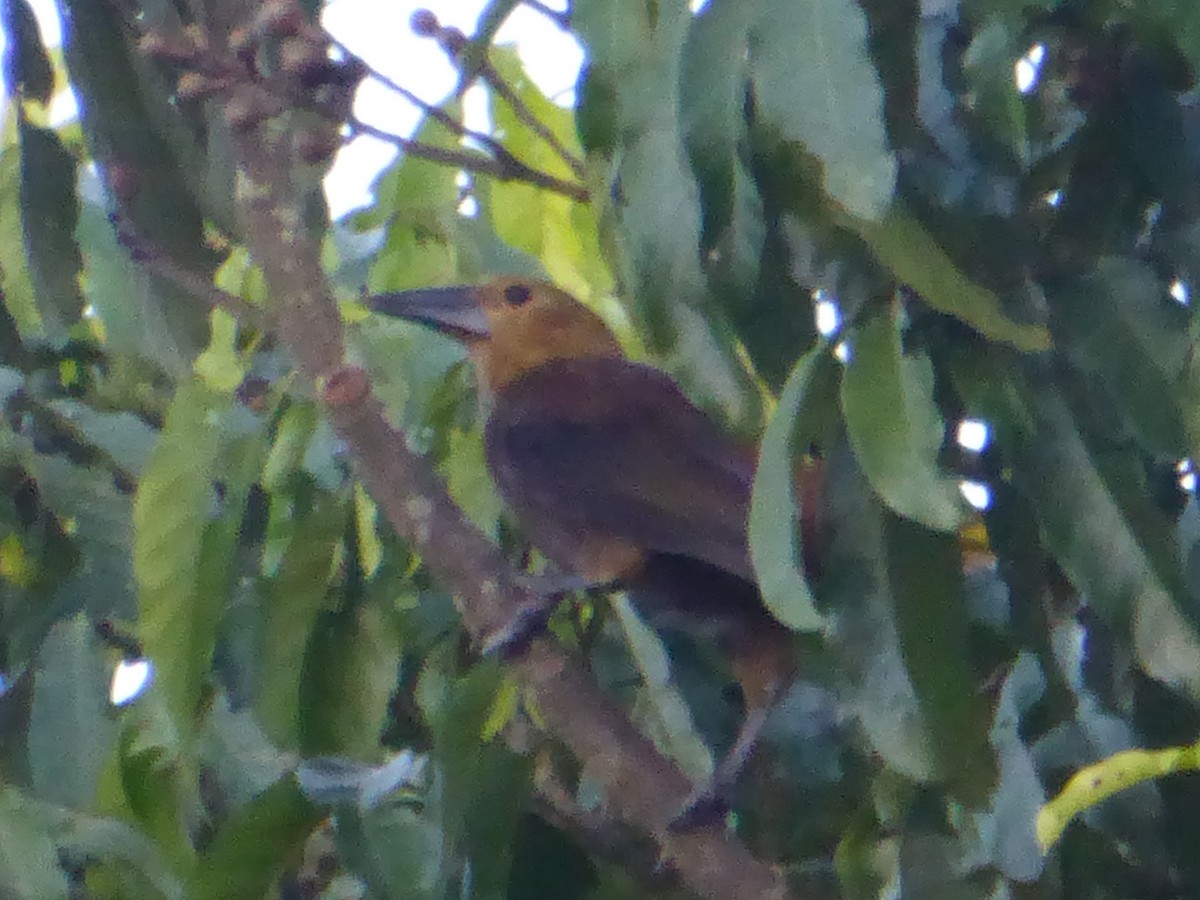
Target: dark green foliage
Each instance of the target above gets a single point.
(318, 721)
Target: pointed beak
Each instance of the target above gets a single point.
(454, 311)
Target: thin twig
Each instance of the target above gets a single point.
(519, 170)
(492, 77)
(643, 788)
(561, 19)
(433, 111)
(504, 167)
(156, 260)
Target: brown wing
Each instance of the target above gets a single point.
(589, 451)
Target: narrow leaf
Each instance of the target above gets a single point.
(894, 426)
(49, 213)
(70, 728)
(29, 867)
(26, 67)
(1097, 782)
(174, 503)
(916, 259)
(825, 93)
(925, 579)
(252, 848)
(775, 530)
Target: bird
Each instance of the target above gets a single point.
(620, 480)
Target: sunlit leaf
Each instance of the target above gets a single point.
(175, 502)
(220, 366)
(1094, 783)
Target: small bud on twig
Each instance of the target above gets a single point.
(423, 22)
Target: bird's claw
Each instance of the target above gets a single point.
(705, 808)
(512, 639)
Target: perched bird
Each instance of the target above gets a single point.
(617, 477)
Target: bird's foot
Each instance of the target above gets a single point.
(708, 805)
(528, 622)
(705, 808)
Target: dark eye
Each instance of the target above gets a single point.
(517, 294)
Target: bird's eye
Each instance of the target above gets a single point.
(517, 294)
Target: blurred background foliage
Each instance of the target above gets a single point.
(994, 206)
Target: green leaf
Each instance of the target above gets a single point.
(175, 501)
(296, 596)
(635, 49)
(1105, 532)
(155, 782)
(29, 867)
(350, 672)
(775, 532)
(713, 77)
(15, 282)
(916, 259)
(250, 850)
(894, 426)
(468, 481)
(400, 854)
(101, 517)
(137, 319)
(863, 631)
(660, 709)
(366, 520)
(825, 93)
(71, 728)
(27, 69)
(123, 436)
(1099, 781)
(221, 366)
(556, 230)
(925, 581)
(121, 853)
(988, 69)
(168, 154)
(1121, 327)
(476, 774)
(49, 213)
(292, 437)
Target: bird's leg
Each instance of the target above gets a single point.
(530, 620)
(763, 665)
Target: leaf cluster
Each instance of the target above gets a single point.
(998, 199)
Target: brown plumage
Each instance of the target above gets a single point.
(615, 475)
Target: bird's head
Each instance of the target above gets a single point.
(508, 325)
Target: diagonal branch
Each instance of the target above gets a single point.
(642, 787)
(501, 163)
(502, 166)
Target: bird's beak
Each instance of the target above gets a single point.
(455, 311)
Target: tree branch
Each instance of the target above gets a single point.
(504, 166)
(642, 787)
